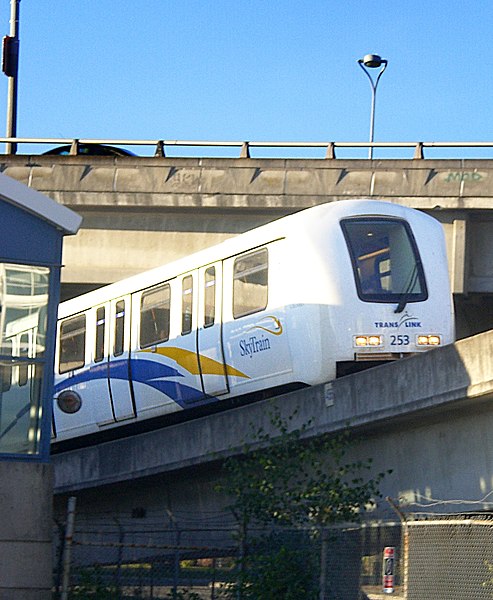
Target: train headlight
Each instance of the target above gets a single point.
(69, 402)
(367, 340)
(428, 340)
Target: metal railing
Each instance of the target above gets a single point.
(244, 147)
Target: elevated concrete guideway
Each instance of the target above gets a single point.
(142, 212)
(428, 417)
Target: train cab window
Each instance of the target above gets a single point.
(385, 260)
(209, 296)
(100, 330)
(186, 306)
(154, 315)
(72, 343)
(250, 283)
(119, 328)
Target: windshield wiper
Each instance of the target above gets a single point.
(406, 293)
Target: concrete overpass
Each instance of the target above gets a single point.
(140, 212)
(428, 417)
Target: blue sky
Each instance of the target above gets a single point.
(252, 69)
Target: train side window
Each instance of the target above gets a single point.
(209, 296)
(119, 328)
(250, 283)
(100, 329)
(72, 343)
(155, 315)
(186, 306)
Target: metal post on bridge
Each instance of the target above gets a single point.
(10, 66)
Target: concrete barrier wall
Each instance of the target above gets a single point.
(26, 529)
(249, 182)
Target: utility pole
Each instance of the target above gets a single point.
(10, 66)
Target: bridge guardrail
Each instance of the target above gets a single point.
(161, 146)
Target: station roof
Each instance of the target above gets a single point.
(39, 205)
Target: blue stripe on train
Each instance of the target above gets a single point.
(147, 372)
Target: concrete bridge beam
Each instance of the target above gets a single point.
(429, 418)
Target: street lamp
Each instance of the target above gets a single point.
(10, 66)
(372, 61)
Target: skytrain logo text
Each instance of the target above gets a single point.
(252, 345)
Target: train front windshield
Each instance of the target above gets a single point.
(385, 259)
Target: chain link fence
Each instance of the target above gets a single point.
(434, 558)
(450, 557)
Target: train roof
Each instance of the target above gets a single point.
(277, 229)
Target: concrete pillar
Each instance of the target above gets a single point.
(26, 525)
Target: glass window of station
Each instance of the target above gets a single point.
(23, 312)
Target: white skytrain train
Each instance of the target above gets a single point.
(295, 302)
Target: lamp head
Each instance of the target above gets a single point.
(372, 61)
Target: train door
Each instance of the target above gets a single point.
(101, 397)
(209, 331)
(119, 373)
(255, 343)
(182, 385)
(189, 389)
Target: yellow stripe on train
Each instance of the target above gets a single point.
(189, 361)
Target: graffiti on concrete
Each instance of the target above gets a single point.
(454, 176)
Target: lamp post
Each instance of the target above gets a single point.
(372, 61)
(10, 66)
